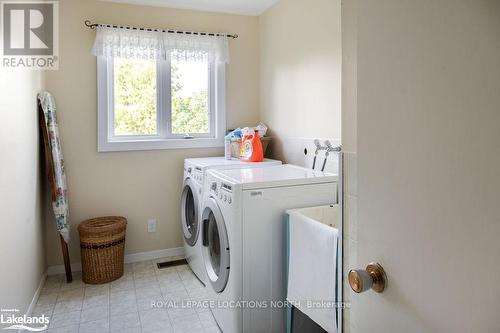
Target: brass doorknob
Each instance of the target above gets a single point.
(373, 277)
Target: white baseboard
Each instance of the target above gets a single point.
(129, 258)
(151, 255)
(31, 307)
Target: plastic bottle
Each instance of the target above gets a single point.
(251, 147)
(227, 147)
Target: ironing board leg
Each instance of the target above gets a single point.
(67, 264)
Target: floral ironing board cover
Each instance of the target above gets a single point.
(60, 201)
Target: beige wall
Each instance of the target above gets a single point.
(428, 144)
(143, 184)
(21, 238)
(300, 72)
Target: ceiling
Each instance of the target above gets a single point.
(244, 7)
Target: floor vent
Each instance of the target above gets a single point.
(171, 263)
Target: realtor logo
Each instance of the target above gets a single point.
(30, 34)
(11, 319)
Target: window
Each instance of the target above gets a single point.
(135, 111)
(160, 104)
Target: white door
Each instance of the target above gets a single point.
(427, 91)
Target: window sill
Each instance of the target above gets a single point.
(156, 144)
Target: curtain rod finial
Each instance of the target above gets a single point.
(89, 24)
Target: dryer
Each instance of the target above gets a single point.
(243, 226)
(191, 200)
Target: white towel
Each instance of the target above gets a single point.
(312, 269)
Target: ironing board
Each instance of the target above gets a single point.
(54, 168)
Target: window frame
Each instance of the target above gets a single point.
(107, 141)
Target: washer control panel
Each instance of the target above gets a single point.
(196, 173)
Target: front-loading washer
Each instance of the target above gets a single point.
(243, 226)
(191, 199)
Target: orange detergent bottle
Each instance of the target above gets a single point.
(251, 148)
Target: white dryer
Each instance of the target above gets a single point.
(243, 228)
(194, 173)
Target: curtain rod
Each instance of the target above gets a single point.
(94, 25)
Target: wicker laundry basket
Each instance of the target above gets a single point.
(102, 245)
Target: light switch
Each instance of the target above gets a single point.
(152, 225)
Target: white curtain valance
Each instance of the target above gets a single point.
(154, 45)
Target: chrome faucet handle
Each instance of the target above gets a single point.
(328, 148)
(318, 146)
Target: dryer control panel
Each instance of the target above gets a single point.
(222, 191)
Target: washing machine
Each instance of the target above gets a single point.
(243, 227)
(194, 173)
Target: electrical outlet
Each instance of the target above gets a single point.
(152, 225)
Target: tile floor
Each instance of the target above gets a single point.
(125, 305)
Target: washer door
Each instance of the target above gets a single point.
(189, 212)
(215, 245)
